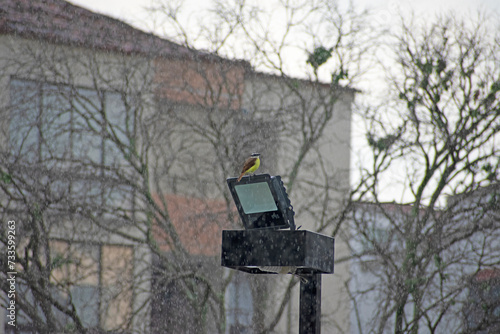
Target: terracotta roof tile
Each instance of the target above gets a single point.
(61, 22)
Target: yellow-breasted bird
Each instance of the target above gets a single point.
(250, 165)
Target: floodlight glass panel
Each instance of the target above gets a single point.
(256, 197)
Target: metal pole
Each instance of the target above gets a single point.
(310, 305)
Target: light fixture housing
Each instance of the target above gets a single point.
(262, 202)
(254, 250)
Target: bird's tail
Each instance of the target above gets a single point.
(240, 177)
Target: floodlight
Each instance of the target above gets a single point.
(262, 202)
(265, 248)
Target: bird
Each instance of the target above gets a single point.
(250, 165)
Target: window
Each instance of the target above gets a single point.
(76, 135)
(239, 306)
(97, 280)
(54, 122)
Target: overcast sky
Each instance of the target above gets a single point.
(132, 11)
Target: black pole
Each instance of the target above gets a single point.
(310, 305)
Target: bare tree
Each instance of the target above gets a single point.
(89, 161)
(297, 116)
(111, 153)
(436, 138)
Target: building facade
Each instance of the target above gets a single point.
(107, 133)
